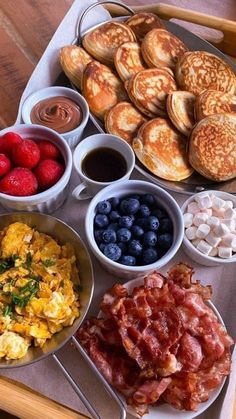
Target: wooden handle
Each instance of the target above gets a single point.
(226, 44)
(23, 402)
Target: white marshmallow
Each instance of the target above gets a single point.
(229, 204)
(213, 252)
(213, 222)
(188, 219)
(207, 211)
(219, 213)
(204, 247)
(204, 201)
(217, 203)
(202, 231)
(230, 223)
(195, 242)
(229, 240)
(191, 232)
(221, 230)
(213, 240)
(229, 213)
(225, 252)
(193, 208)
(200, 218)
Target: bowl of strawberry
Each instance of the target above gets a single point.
(133, 228)
(35, 168)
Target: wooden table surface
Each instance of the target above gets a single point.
(26, 27)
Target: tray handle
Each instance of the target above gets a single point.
(118, 4)
(166, 11)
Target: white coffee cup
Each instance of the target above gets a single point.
(89, 187)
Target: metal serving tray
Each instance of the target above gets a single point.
(195, 183)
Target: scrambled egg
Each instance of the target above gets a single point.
(39, 289)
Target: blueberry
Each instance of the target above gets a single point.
(122, 246)
(109, 236)
(125, 221)
(144, 211)
(135, 196)
(101, 220)
(129, 206)
(149, 255)
(148, 199)
(114, 215)
(137, 231)
(128, 260)
(98, 235)
(159, 213)
(114, 201)
(152, 223)
(149, 239)
(165, 240)
(102, 247)
(113, 226)
(104, 207)
(135, 248)
(123, 235)
(112, 251)
(166, 225)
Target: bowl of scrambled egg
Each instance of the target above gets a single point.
(46, 286)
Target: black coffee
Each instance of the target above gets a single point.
(104, 165)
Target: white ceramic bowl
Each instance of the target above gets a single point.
(120, 190)
(189, 248)
(49, 200)
(72, 137)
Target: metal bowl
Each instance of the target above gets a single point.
(63, 233)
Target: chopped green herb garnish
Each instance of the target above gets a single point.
(7, 310)
(62, 284)
(1, 285)
(48, 262)
(27, 263)
(7, 263)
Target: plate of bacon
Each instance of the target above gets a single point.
(161, 343)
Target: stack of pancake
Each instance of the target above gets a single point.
(177, 108)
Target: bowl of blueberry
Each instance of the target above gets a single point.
(134, 228)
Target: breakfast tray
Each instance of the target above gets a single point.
(27, 404)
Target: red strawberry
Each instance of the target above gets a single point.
(5, 165)
(19, 182)
(48, 172)
(8, 142)
(26, 154)
(48, 150)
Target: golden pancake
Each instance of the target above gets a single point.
(199, 70)
(180, 109)
(210, 102)
(142, 23)
(103, 41)
(128, 60)
(162, 150)
(161, 48)
(149, 88)
(73, 60)
(101, 88)
(212, 147)
(124, 120)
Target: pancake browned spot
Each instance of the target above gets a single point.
(124, 120)
(212, 147)
(161, 48)
(73, 60)
(103, 41)
(162, 150)
(142, 23)
(180, 108)
(210, 102)
(148, 90)
(128, 60)
(200, 70)
(101, 88)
